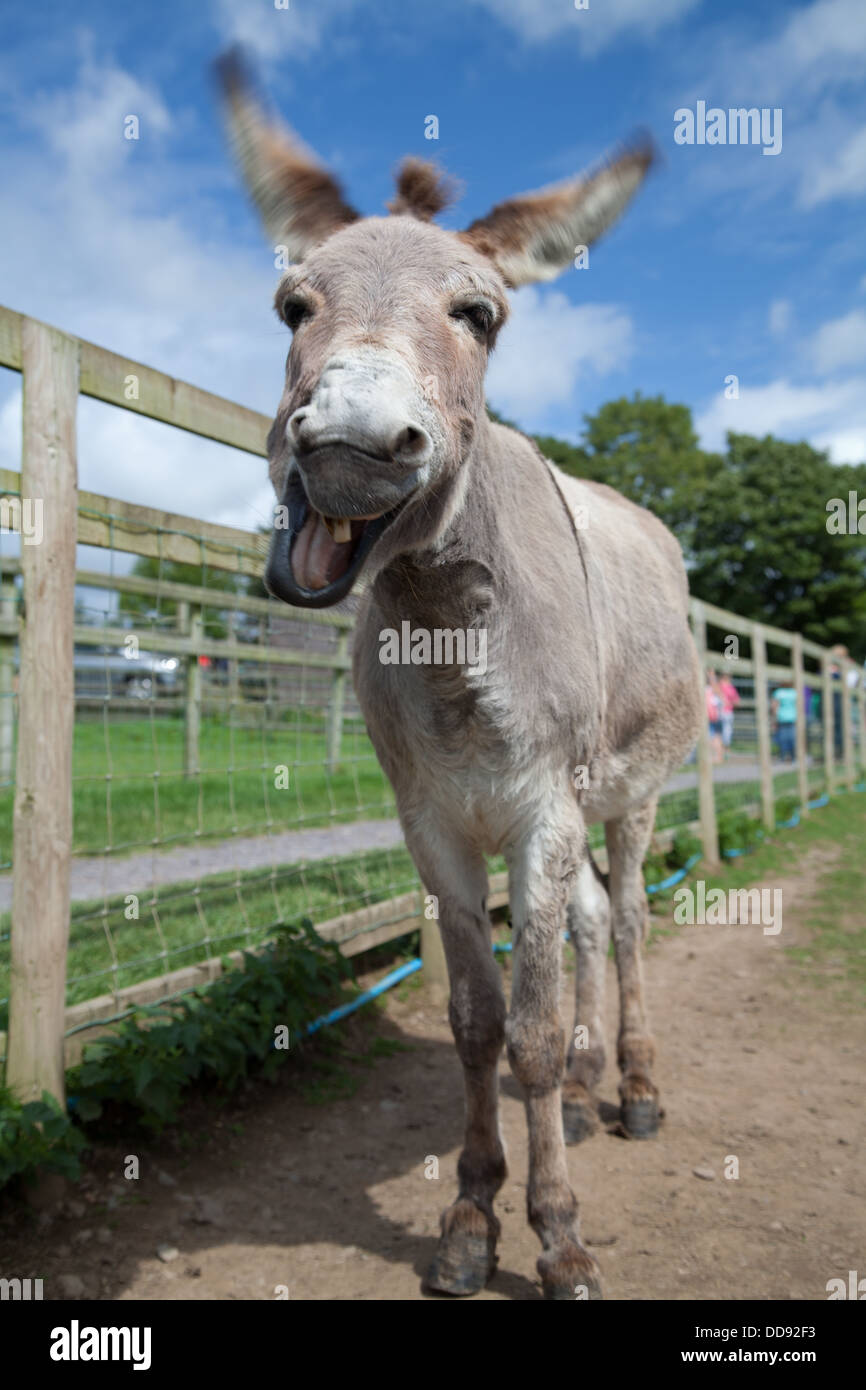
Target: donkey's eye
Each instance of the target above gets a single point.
(477, 315)
(294, 310)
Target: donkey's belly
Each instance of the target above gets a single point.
(620, 782)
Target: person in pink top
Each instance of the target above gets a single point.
(730, 700)
(713, 695)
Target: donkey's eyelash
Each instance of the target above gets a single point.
(293, 311)
(479, 316)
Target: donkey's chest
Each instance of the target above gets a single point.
(472, 755)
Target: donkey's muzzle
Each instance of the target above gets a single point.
(365, 403)
(315, 558)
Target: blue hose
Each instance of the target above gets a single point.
(386, 982)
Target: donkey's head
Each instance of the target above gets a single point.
(393, 320)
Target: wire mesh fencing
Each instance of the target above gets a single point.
(222, 782)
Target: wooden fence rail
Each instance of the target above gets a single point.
(40, 617)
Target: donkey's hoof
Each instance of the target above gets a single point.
(640, 1118)
(579, 1121)
(570, 1274)
(465, 1259)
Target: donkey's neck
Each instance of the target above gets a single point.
(508, 540)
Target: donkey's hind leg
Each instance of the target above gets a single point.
(588, 917)
(628, 838)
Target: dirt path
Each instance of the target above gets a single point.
(331, 1200)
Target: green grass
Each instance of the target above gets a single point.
(188, 922)
(129, 791)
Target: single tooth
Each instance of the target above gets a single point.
(340, 528)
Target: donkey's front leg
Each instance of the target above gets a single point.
(466, 1255)
(541, 875)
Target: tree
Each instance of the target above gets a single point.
(753, 523)
(154, 608)
(647, 449)
(763, 548)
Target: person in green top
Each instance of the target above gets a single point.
(785, 716)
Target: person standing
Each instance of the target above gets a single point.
(714, 701)
(785, 716)
(730, 700)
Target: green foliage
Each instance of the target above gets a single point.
(147, 607)
(683, 847)
(37, 1135)
(214, 1033)
(738, 830)
(763, 548)
(786, 807)
(647, 449)
(752, 522)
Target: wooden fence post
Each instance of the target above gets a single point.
(829, 724)
(192, 618)
(42, 823)
(847, 726)
(8, 613)
(234, 686)
(800, 729)
(762, 714)
(335, 708)
(706, 796)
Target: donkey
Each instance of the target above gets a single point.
(386, 464)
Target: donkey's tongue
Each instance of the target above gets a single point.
(317, 559)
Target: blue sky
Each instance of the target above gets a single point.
(730, 262)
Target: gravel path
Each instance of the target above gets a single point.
(100, 875)
(137, 873)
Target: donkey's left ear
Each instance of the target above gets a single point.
(300, 203)
(535, 236)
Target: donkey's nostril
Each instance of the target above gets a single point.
(295, 423)
(410, 442)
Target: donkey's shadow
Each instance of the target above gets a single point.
(282, 1170)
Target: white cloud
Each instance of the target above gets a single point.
(831, 416)
(546, 346)
(84, 125)
(839, 175)
(844, 446)
(537, 21)
(821, 45)
(269, 33)
(840, 343)
(88, 247)
(780, 317)
(812, 66)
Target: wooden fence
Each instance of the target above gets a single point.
(57, 368)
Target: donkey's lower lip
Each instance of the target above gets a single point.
(309, 564)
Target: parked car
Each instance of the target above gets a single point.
(112, 671)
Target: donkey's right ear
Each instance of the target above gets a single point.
(536, 236)
(300, 203)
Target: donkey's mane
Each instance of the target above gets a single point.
(423, 189)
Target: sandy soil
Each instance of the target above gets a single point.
(330, 1200)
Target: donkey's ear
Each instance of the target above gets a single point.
(535, 236)
(300, 202)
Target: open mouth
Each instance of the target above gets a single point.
(315, 560)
